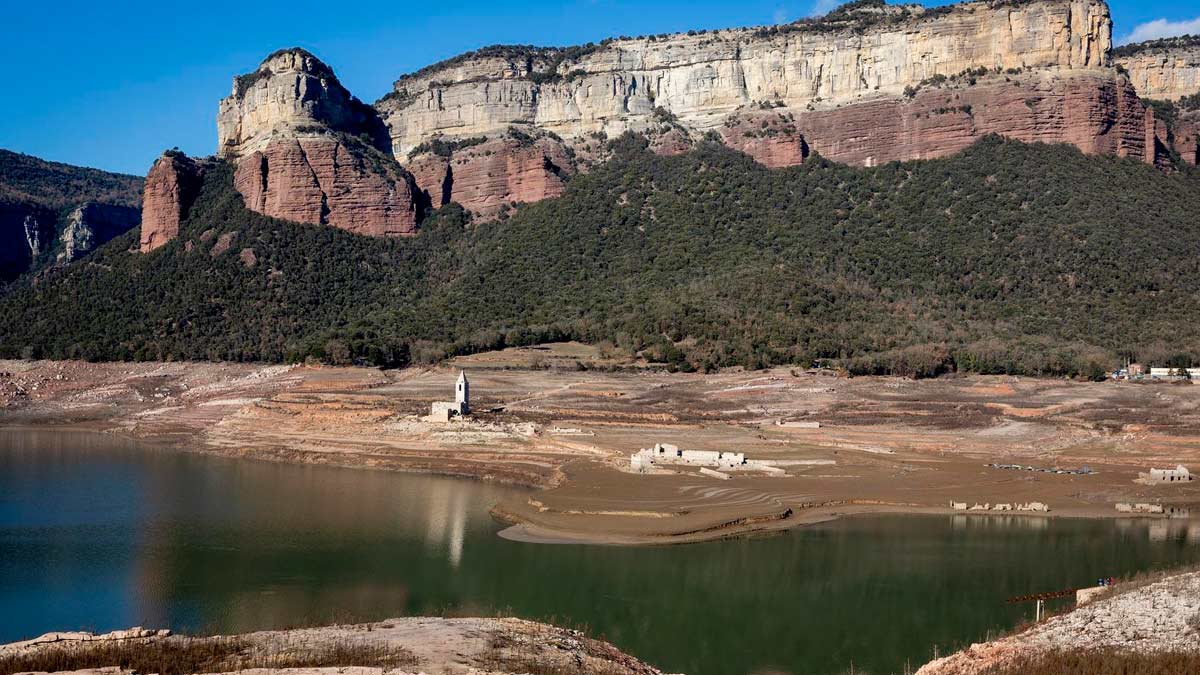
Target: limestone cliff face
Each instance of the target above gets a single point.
(867, 84)
(1167, 70)
(862, 57)
(91, 225)
(292, 91)
(304, 149)
(171, 186)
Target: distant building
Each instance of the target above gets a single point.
(444, 411)
(1174, 373)
(665, 453)
(1179, 474)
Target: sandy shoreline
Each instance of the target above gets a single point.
(869, 445)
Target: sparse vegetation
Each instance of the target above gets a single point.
(1152, 46)
(27, 179)
(1099, 662)
(183, 656)
(444, 148)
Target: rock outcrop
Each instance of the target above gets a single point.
(487, 177)
(865, 56)
(1166, 70)
(403, 646)
(171, 186)
(327, 179)
(1169, 71)
(91, 225)
(292, 91)
(867, 84)
(304, 149)
(1149, 619)
(772, 139)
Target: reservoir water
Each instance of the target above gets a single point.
(97, 533)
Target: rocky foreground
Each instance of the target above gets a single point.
(1142, 627)
(395, 646)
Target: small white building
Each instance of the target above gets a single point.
(665, 453)
(1174, 373)
(444, 411)
(1179, 474)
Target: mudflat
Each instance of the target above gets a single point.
(564, 420)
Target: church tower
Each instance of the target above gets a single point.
(462, 394)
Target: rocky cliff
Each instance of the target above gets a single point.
(92, 224)
(863, 54)
(867, 84)
(308, 151)
(1166, 70)
(1169, 71)
(171, 186)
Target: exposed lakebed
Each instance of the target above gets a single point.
(98, 533)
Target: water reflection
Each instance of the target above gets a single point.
(98, 534)
(447, 519)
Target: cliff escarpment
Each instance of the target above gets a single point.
(308, 151)
(1167, 70)
(863, 53)
(867, 84)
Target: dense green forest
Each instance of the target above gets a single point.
(1006, 258)
(27, 179)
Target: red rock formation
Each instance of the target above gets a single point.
(670, 142)
(432, 177)
(1187, 138)
(325, 179)
(1156, 139)
(486, 178)
(1098, 113)
(171, 187)
(772, 139)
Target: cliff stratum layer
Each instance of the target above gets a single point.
(867, 84)
(306, 150)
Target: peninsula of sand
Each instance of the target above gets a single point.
(565, 420)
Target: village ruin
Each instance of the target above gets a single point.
(712, 463)
(1179, 474)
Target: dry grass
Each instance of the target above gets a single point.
(183, 656)
(1099, 662)
(551, 651)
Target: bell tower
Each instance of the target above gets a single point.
(462, 393)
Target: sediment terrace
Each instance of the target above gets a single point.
(549, 418)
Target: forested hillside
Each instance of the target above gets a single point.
(37, 199)
(1005, 258)
(24, 178)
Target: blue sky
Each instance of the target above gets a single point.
(112, 84)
